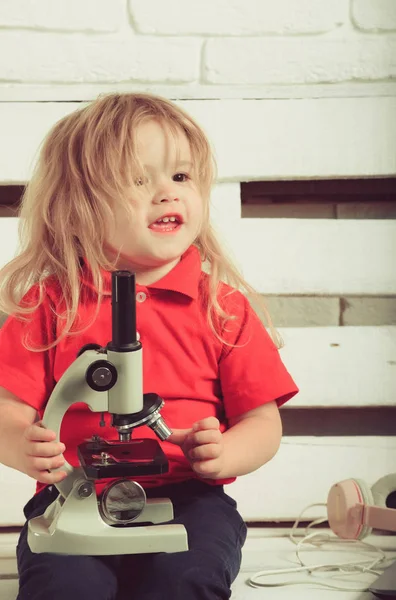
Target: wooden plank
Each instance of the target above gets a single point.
(301, 473)
(269, 139)
(310, 138)
(341, 366)
(23, 127)
(315, 256)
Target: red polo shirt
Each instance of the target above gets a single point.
(183, 362)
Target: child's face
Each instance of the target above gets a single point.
(170, 191)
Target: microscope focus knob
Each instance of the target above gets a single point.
(101, 375)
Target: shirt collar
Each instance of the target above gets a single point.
(183, 278)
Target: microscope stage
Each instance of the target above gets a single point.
(103, 459)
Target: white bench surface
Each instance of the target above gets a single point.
(264, 548)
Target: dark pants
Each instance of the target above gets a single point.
(216, 534)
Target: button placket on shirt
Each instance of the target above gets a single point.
(141, 297)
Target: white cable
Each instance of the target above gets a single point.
(347, 568)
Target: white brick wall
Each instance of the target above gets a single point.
(73, 15)
(51, 49)
(55, 58)
(374, 15)
(237, 17)
(256, 61)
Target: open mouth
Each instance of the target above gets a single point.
(167, 223)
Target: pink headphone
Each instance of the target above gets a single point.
(354, 509)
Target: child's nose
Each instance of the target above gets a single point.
(165, 196)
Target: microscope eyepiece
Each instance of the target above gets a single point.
(123, 311)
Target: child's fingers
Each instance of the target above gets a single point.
(49, 477)
(206, 452)
(178, 436)
(45, 448)
(46, 464)
(209, 436)
(208, 423)
(37, 433)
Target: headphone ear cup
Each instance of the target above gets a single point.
(383, 488)
(343, 518)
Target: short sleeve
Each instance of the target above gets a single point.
(28, 374)
(251, 370)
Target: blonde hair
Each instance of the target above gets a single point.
(88, 160)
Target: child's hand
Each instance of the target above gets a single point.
(40, 453)
(203, 446)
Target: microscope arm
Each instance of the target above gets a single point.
(70, 389)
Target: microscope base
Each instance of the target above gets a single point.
(74, 526)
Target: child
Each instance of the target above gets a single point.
(124, 183)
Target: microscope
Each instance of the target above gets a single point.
(119, 520)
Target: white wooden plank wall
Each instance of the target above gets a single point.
(329, 113)
(334, 366)
(253, 139)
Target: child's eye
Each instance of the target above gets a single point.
(181, 177)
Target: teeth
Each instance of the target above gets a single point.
(166, 220)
